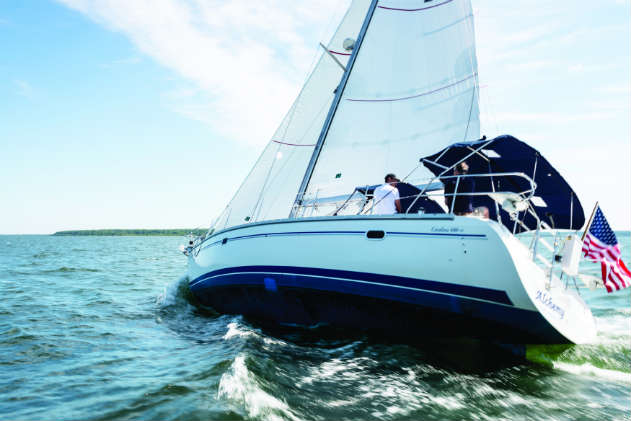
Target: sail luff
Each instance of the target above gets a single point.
(334, 105)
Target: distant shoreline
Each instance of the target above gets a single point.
(134, 232)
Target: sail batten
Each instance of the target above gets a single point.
(419, 9)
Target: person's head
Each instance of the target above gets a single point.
(461, 168)
(391, 178)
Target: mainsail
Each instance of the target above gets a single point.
(270, 189)
(412, 91)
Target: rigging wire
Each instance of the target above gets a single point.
(472, 61)
(485, 96)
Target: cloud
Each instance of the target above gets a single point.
(613, 106)
(552, 118)
(589, 68)
(530, 34)
(538, 25)
(250, 58)
(127, 61)
(620, 88)
(23, 88)
(532, 65)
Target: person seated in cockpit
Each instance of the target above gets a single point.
(462, 199)
(386, 197)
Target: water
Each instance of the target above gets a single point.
(103, 328)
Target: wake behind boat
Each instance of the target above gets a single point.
(300, 242)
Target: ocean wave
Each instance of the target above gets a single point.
(240, 387)
(614, 328)
(45, 254)
(236, 329)
(173, 292)
(604, 356)
(65, 269)
(587, 369)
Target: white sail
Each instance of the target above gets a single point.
(269, 190)
(411, 92)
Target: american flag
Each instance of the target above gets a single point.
(601, 245)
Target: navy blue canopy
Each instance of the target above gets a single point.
(407, 193)
(508, 154)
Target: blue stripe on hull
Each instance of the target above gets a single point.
(362, 283)
(360, 233)
(310, 297)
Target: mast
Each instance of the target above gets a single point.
(333, 109)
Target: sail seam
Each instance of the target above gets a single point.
(414, 96)
(292, 144)
(338, 53)
(414, 10)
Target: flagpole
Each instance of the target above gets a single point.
(591, 218)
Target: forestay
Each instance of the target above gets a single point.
(270, 189)
(413, 90)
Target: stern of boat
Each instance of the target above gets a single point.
(555, 296)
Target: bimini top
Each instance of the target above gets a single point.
(554, 201)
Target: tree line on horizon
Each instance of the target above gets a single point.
(133, 232)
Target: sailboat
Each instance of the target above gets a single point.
(396, 90)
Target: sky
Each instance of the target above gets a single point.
(149, 113)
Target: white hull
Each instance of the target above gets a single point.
(468, 268)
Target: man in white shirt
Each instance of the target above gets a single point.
(386, 197)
